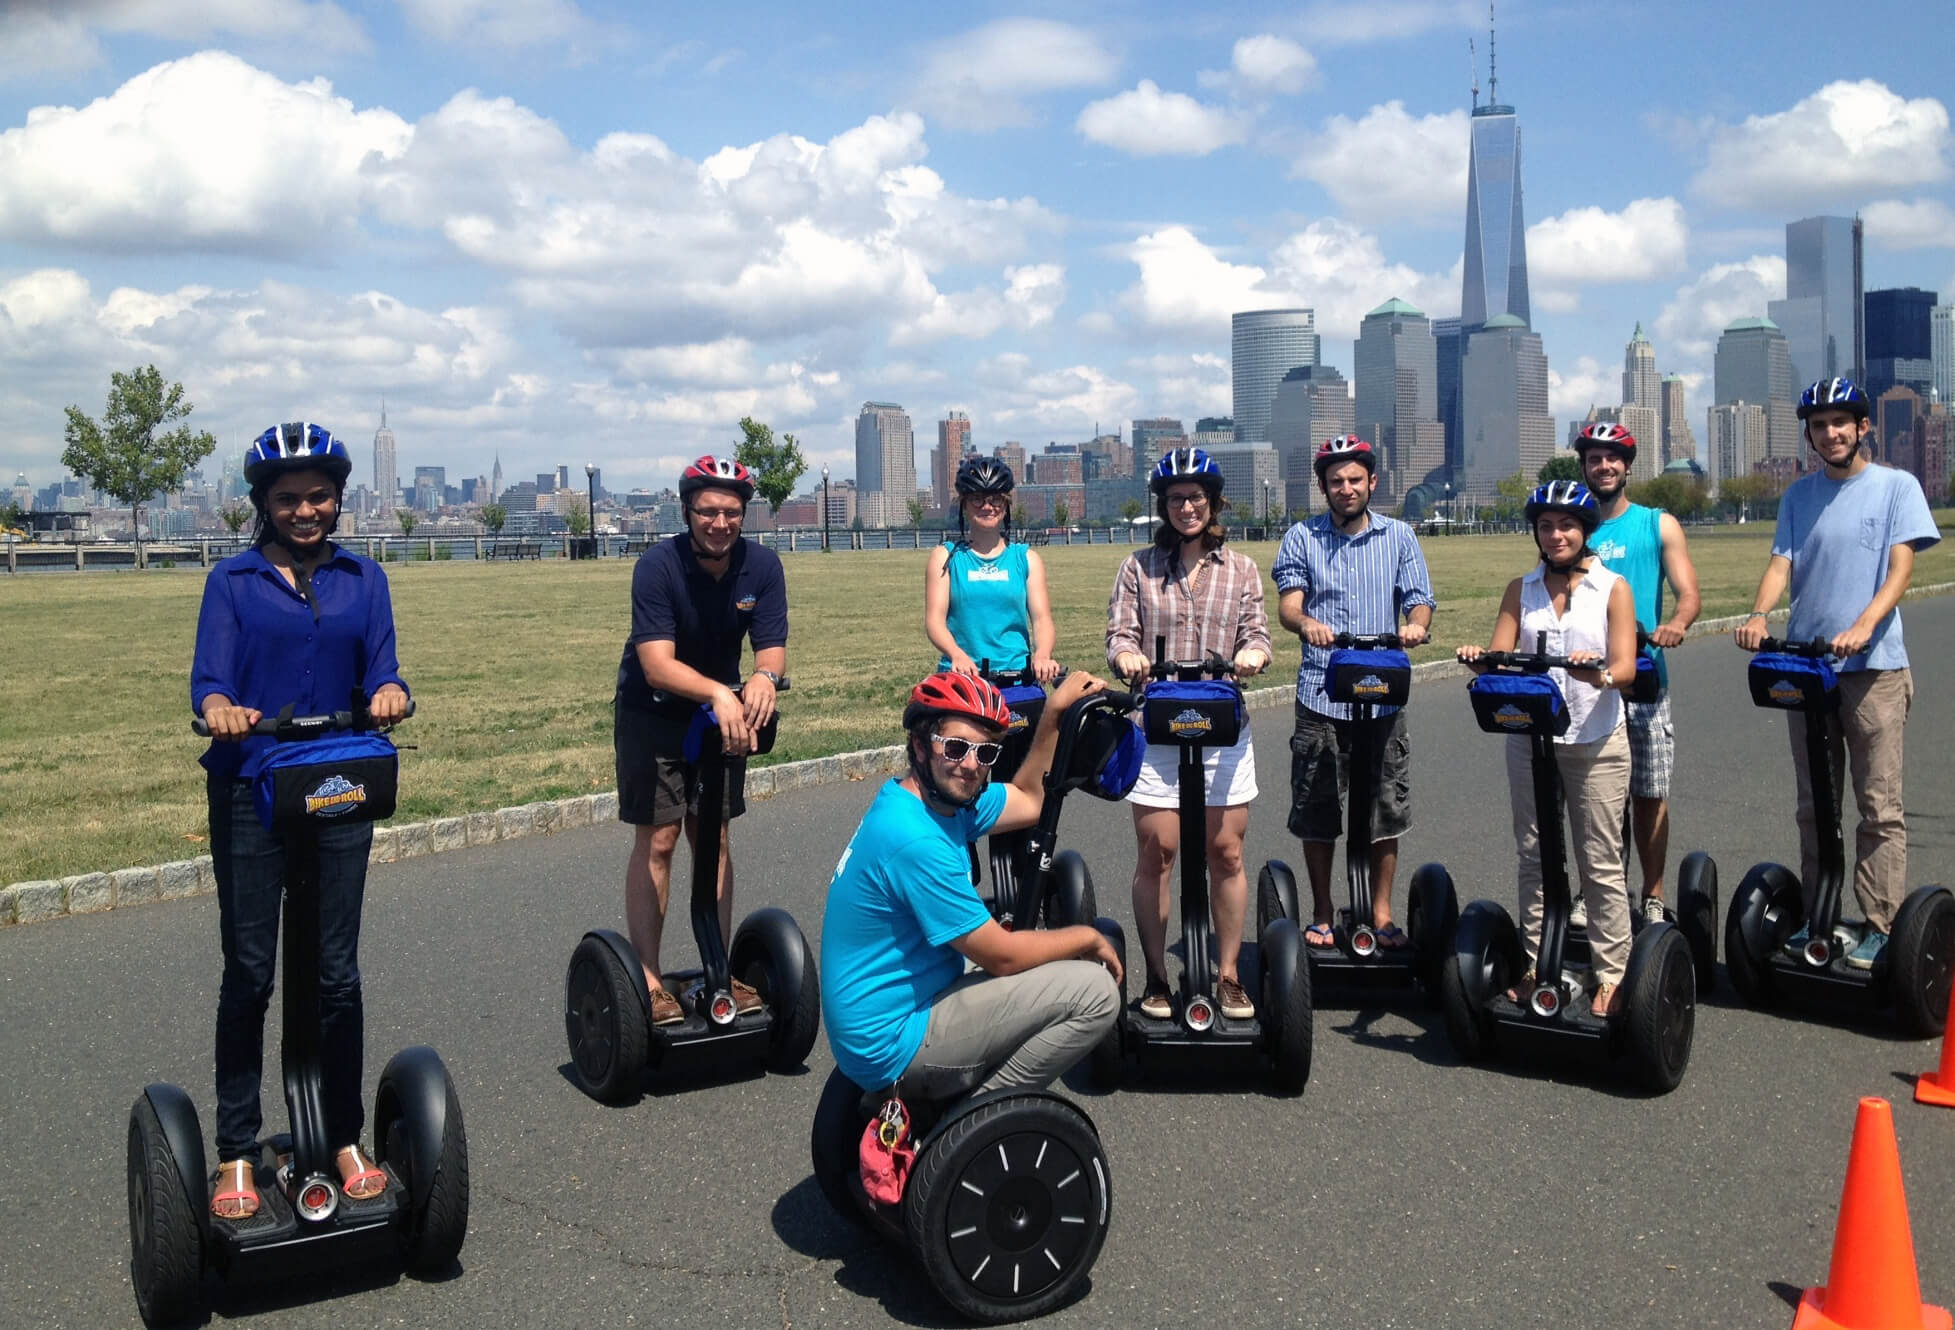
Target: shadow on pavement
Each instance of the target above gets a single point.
(868, 1267)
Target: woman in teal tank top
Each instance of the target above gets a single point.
(984, 597)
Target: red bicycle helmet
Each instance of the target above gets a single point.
(965, 696)
(1344, 448)
(1603, 434)
(711, 472)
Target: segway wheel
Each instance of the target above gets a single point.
(1071, 899)
(771, 953)
(1288, 1017)
(1921, 960)
(1765, 910)
(834, 1142)
(1486, 958)
(1276, 895)
(1661, 991)
(418, 1130)
(1008, 1207)
(1431, 916)
(605, 1022)
(166, 1227)
(1697, 916)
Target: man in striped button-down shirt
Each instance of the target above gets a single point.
(1348, 570)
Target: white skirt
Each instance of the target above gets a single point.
(1229, 775)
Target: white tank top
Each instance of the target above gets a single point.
(1593, 713)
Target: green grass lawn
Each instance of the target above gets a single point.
(513, 667)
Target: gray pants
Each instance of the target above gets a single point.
(1020, 1031)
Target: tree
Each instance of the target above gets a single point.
(235, 517)
(576, 518)
(1061, 513)
(915, 507)
(1562, 466)
(1514, 492)
(1018, 514)
(1741, 493)
(1680, 496)
(125, 457)
(406, 516)
(493, 517)
(777, 466)
(1130, 509)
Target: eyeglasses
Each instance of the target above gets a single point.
(956, 750)
(1187, 500)
(988, 501)
(719, 516)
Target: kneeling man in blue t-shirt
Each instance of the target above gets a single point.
(903, 916)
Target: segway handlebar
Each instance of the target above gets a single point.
(1215, 667)
(288, 728)
(1368, 641)
(1024, 678)
(1532, 662)
(1817, 648)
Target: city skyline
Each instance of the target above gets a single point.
(565, 233)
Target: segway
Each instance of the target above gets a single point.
(1770, 908)
(1007, 852)
(1196, 705)
(1009, 1197)
(1369, 672)
(1657, 1018)
(325, 767)
(608, 1008)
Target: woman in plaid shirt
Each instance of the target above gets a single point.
(1203, 598)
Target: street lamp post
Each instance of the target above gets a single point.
(590, 475)
(1449, 507)
(824, 510)
(1267, 522)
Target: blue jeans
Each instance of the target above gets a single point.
(250, 867)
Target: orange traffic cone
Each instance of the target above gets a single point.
(1938, 1087)
(1873, 1283)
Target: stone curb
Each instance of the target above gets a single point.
(91, 893)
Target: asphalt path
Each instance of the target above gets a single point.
(1403, 1189)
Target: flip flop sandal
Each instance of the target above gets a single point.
(1522, 987)
(237, 1195)
(1391, 937)
(367, 1180)
(1320, 936)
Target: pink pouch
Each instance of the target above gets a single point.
(885, 1156)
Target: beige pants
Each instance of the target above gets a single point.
(1873, 720)
(1595, 784)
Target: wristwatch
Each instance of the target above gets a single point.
(778, 680)
(1608, 679)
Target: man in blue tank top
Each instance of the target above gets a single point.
(1645, 546)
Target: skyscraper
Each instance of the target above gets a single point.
(1313, 403)
(953, 441)
(386, 474)
(1899, 340)
(1642, 405)
(1449, 347)
(1941, 348)
(1152, 439)
(1753, 364)
(1397, 369)
(495, 481)
(1822, 315)
(1504, 406)
(885, 463)
(1737, 435)
(1678, 440)
(1266, 344)
(1496, 232)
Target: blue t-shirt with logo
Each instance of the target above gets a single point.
(1631, 546)
(900, 896)
(989, 615)
(1838, 533)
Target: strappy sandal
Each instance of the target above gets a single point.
(237, 1191)
(360, 1178)
(1522, 986)
(1603, 1004)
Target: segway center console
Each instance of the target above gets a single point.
(1010, 863)
(1655, 1019)
(1369, 672)
(1787, 939)
(330, 767)
(608, 1008)
(1196, 705)
(1008, 1197)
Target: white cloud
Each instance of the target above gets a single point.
(1388, 163)
(507, 23)
(1146, 122)
(1022, 400)
(1264, 65)
(1589, 246)
(59, 36)
(1341, 272)
(1922, 224)
(986, 78)
(1572, 392)
(1340, 22)
(1845, 141)
(1198, 384)
(1184, 284)
(201, 153)
(1702, 309)
(1029, 299)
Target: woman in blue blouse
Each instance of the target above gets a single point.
(984, 598)
(294, 620)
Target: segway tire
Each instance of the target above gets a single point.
(1921, 961)
(1661, 991)
(834, 1146)
(1007, 1208)
(1432, 917)
(771, 953)
(1486, 958)
(1697, 916)
(1288, 1014)
(1276, 895)
(418, 1130)
(1070, 897)
(1765, 910)
(606, 1023)
(166, 1234)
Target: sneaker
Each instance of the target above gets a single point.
(1653, 910)
(746, 997)
(1234, 1002)
(1578, 915)
(1796, 944)
(1862, 956)
(1154, 1002)
(666, 1009)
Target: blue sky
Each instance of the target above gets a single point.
(571, 231)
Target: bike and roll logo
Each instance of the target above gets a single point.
(1190, 721)
(1785, 693)
(1511, 717)
(1370, 686)
(1019, 720)
(746, 603)
(334, 796)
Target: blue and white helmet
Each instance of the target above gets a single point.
(296, 447)
(1835, 395)
(1566, 496)
(1186, 464)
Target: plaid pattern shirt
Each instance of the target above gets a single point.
(1153, 596)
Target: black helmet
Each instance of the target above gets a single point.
(983, 475)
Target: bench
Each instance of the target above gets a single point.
(520, 549)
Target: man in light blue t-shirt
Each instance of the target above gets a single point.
(903, 916)
(1846, 539)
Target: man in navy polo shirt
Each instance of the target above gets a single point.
(693, 599)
